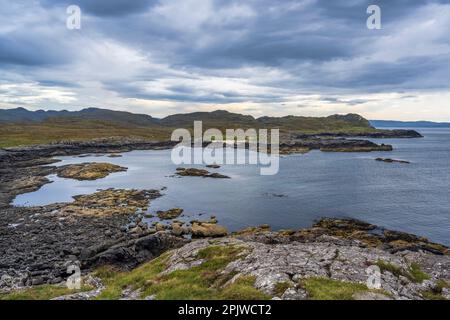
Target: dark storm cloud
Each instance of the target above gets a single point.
(105, 7)
(23, 49)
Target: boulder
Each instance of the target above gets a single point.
(205, 229)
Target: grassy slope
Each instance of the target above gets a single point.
(52, 131)
(60, 129)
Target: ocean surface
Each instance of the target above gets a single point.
(412, 197)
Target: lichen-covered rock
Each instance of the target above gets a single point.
(169, 214)
(292, 262)
(194, 172)
(88, 171)
(206, 229)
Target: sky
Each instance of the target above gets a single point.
(258, 57)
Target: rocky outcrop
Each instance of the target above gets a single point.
(331, 145)
(377, 134)
(207, 229)
(88, 171)
(38, 243)
(169, 214)
(194, 172)
(286, 266)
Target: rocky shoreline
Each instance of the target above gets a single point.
(107, 229)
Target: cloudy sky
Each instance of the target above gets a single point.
(259, 57)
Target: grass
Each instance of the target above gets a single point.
(330, 289)
(43, 292)
(436, 293)
(23, 134)
(281, 287)
(202, 282)
(414, 272)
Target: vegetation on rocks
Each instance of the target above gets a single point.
(330, 289)
(169, 214)
(436, 293)
(207, 229)
(194, 172)
(204, 280)
(88, 171)
(414, 273)
(42, 292)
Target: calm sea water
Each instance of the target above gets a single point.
(412, 198)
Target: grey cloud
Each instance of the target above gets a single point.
(105, 8)
(318, 45)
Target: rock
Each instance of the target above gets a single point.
(294, 294)
(217, 176)
(131, 253)
(388, 160)
(194, 172)
(170, 214)
(88, 171)
(293, 150)
(446, 293)
(37, 281)
(205, 229)
(160, 227)
(178, 229)
(213, 166)
(114, 155)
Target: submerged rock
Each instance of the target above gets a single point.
(88, 171)
(388, 160)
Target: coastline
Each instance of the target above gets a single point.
(93, 233)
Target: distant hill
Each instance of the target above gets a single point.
(23, 127)
(21, 115)
(408, 124)
(215, 119)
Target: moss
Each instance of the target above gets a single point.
(281, 287)
(43, 292)
(203, 282)
(329, 289)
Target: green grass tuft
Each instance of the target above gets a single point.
(436, 293)
(329, 289)
(43, 292)
(414, 273)
(281, 287)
